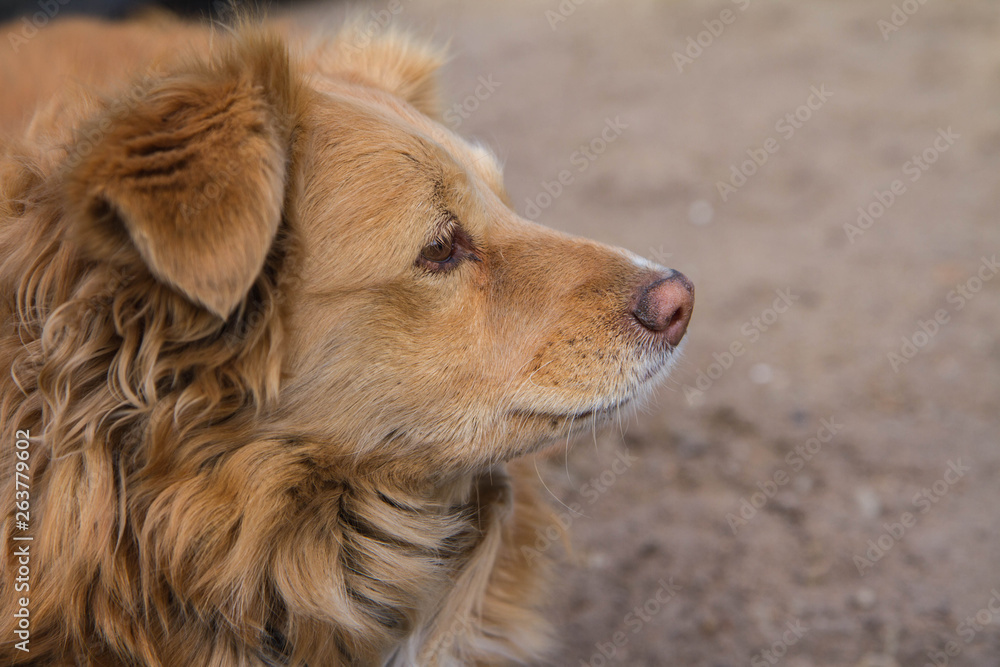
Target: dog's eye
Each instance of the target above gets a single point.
(439, 251)
(451, 247)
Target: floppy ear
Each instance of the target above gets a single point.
(190, 171)
(390, 59)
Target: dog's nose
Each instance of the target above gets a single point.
(664, 306)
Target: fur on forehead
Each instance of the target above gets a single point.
(383, 58)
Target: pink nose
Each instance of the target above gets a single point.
(664, 306)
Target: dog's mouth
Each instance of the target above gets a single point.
(598, 412)
(609, 406)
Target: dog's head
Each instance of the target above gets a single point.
(421, 318)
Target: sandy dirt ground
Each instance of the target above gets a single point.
(817, 484)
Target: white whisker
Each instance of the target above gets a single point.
(539, 474)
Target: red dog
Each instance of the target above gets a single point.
(275, 337)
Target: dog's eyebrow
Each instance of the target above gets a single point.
(432, 170)
(445, 223)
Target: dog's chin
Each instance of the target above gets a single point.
(553, 425)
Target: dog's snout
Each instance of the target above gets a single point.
(664, 306)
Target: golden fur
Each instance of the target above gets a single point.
(261, 433)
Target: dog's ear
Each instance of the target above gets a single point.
(386, 58)
(189, 170)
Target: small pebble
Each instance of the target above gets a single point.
(701, 212)
(761, 374)
(868, 502)
(802, 484)
(597, 561)
(864, 598)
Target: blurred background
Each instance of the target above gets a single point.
(817, 484)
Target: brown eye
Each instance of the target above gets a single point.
(438, 252)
